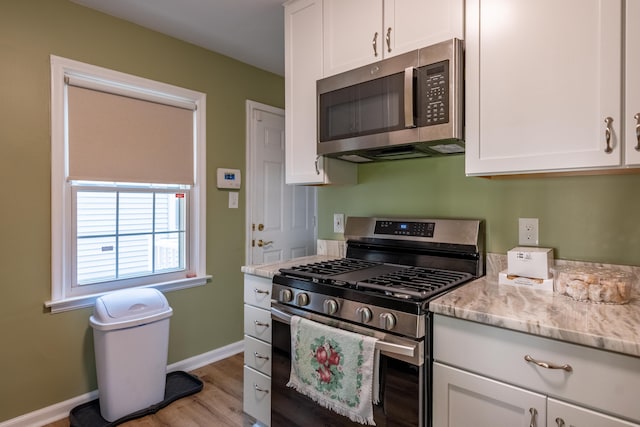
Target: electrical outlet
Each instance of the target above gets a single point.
(528, 231)
(338, 223)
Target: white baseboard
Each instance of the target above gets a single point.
(61, 410)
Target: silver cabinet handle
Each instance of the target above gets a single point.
(260, 356)
(534, 414)
(559, 422)
(260, 291)
(258, 323)
(565, 367)
(637, 117)
(316, 165)
(607, 133)
(260, 389)
(375, 44)
(388, 39)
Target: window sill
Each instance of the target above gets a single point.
(84, 301)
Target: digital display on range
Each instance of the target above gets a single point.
(404, 228)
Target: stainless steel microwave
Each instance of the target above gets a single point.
(410, 105)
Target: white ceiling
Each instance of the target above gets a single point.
(251, 31)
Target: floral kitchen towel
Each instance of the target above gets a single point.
(334, 367)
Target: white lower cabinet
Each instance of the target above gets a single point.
(563, 414)
(256, 396)
(257, 348)
(463, 399)
(484, 376)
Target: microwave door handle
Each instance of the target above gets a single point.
(409, 117)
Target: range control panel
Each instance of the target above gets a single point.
(405, 228)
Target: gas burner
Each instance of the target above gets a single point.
(332, 267)
(414, 282)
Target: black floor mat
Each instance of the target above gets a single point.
(179, 384)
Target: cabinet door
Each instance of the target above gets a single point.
(303, 66)
(541, 78)
(462, 399)
(632, 85)
(412, 24)
(352, 34)
(562, 414)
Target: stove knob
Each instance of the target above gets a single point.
(365, 314)
(285, 295)
(302, 299)
(330, 306)
(387, 321)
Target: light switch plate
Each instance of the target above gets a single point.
(233, 200)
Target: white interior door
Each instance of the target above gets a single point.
(281, 218)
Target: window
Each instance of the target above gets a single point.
(127, 186)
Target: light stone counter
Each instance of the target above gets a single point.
(270, 270)
(547, 314)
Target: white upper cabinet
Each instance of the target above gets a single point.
(303, 66)
(632, 85)
(359, 32)
(543, 77)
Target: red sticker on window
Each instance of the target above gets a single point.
(179, 195)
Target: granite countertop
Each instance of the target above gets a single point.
(270, 270)
(605, 326)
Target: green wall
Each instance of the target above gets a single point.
(588, 218)
(48, 358)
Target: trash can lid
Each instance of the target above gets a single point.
(129, 307)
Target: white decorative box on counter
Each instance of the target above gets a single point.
(530, 262)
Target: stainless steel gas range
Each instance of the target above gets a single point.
(393, 268)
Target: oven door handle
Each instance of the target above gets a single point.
(403, 350)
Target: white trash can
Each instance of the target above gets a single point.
(131, 341)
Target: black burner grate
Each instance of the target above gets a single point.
(328, 268)
(415, 282)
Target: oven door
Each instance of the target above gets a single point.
(402, 378)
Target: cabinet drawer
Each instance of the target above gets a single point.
(257, 291)
(256, 396)
(599, 379)
(257, 355)
(571, 415)
(257, 323)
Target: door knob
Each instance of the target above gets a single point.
(262, 243)
(260, 227)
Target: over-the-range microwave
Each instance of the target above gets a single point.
(406, 106)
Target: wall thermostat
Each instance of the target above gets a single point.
(229, 178)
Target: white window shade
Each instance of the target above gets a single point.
(118, 138)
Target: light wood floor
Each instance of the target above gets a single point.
(219, 403)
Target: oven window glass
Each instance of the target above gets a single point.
(371, 107)
(401, 388)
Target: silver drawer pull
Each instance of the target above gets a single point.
(637, 117)
(260, 389)
(607, 135)
(261, 291)
(534, 415)
(258, 323)
(565, 367)
(559, 422)
(260, 356)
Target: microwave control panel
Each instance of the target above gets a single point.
(433, 84)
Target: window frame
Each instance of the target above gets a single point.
(63, 298)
